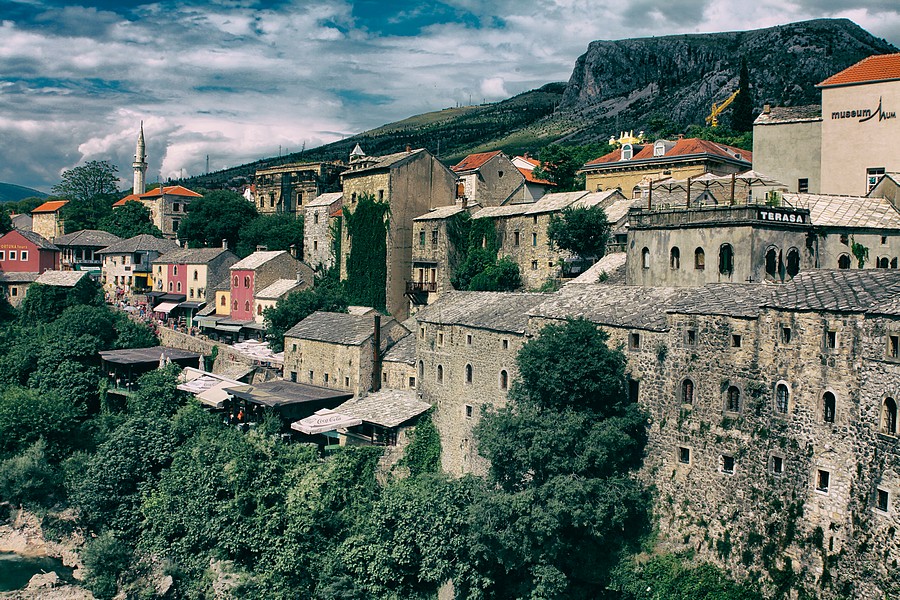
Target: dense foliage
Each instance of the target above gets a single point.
(276, 232)
(560, 164)
(367, 228)
(583, 231)
(91, 191)
(474, 263)
(218, 215)
(129, 220)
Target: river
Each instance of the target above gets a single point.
(16, 570)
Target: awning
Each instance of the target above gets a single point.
(165, 307)
(207, 321)
(155, 294)
(176, 298)
(229, 328)
(324, 420)
(191, 305)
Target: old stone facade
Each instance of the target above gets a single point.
(319, 225)
(46, 220)
(168, 206)
(798, 128)
(432, 254)
(289, 188)
(490, 179)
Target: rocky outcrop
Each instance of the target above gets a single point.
(627, 83)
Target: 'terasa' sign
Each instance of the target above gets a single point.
(781, 217)
(864, 114)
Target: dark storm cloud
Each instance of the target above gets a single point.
(645, 14)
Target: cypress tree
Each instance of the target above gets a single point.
(742, 116)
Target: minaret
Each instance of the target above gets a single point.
(140, 164)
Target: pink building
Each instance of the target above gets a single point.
(27, 252)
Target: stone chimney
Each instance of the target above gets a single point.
(767, 108)
(224, 244)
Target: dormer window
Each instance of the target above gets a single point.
(627, 151)
(659, 149)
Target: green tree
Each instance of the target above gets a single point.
(5, 220)
(742, 115)
(218, 215)
(295, 307)
(25, 205)
(674, 577)
(367, 227)
(88, 181)
(27, 416)
(29, 477)
(105, 558)
(501, 276)
(157, 394)
(129, 220)
(560, 164)
(275, 232)
(43, 303)
(423, 454)
(583, 231)
(87, 214)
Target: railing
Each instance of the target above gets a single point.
(414, 287)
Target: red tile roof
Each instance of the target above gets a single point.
(474, 161)
(172, 190)
(528, 159)
(51, 206)
(683, 147)
(127, 198)
(882, 67)
(530, 178)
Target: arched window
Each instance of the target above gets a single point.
(246, 281)
(645, 258)
(259, 309)
(175, 270)
(675, 258)
(828, 407)
(733, 399)
(235, 282)
(178, 286)
(627, 151)
(883, 262)
(222, 301)
(504, 380)
(782, 395)
(726, 259)
(894, 263)
(468, 373)
(195, 274)
(247, 306)
(170, 286)
(687, 391)
(234, 305)
(844, 261)
(699, 259)
(889, 417)
(793, 262)
(440, 374)
(636, 192)
(421, 372)
(771, 263)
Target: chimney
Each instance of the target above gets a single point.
(408, 149)
(224, 244)
(293, 250)
(376, 355)
(262, 248)
(299, 276)
(767, 108)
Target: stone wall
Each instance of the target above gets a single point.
(524, 239)
(335, 366)
(227, 358)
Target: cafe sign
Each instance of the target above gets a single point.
(777, 216)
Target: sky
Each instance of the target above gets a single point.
(238, 80)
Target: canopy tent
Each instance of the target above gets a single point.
(324, 420)
(165, 307)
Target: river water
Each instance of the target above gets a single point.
(16, 570)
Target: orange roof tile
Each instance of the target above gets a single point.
(127, 198)
(51, 206)
(530, 178)
(683, 147)
(528, 159)
(882, 67)
(474, 161)
(172, 190)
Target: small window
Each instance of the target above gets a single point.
(785, 335)
(504, 344)
(421, 369)
(882, 499)
(882, 262)
(675, 258)
(687, 391)
(699, 259)
(247, 306)
(440, 338)
(293, 347)
(534, 265)
(728, 465)
(515, 238)
(889, 417)
(13, 255)
(178, 286)
(14, 291)
(310, 375)
(845, 239)
(634, 341)
(828, 407)
(893, 346)
(684, 455)
(234, 304)
(534, 239)
(782, 398)
(468, 339)
(174, 268)
(259, 309)
(627, 151)
(823, 480)
(315, 245)
(235, 281)
(2, 254)
(883, 240)
(434, 237)
(645, 258)
(803, 185)
(23, 255)
(171, 286)
(844, 261)
(733, 399)
(422, 238)
(735, 340)
(777, 465)
(469, 374)
(440, 374)
(326, 377)
(246, 281)
(346, 382)
(412, 382)
(222, 301)
(294, 376)
(175, 207)
(873, 176)
(469, 411)
(726, 259)
(830, 340)
(690, 337)
(534, 219)
(195, 275)
(422, 333)
(504, 380)
(316, 218)
(380, 195)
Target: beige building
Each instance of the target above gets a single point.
(319, 225)
(46, 220)
(411, 183)
(632, 166)
(289, 188)
(269, 296)
(168, 206)
(787, 146)
(489, 179)
(127, 264)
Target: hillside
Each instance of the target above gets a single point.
(10, 192)
(640, 84)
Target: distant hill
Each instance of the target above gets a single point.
(637, 84)
(10, 192)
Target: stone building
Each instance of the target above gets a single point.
(535, 187)
(319, 226)
(127, 264)
(795, 127)
(398, 367)
(432, 254)
(192, 271)
(489, 179)
(632, 166)
(466, 347)
(336, 350)
(80, 249)
(168, 206)
(412, 183)
(46, 220)
(289, 188)
(269, 296)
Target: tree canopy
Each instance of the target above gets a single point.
(742, 114)
(129, 220)
(86, 182)
(218, 215)
(583, 231)
(275, 232)
(560, 164)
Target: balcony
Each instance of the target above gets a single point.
(419, 287)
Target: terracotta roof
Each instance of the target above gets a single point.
(882, 67)
(474, 161)
(172, 190)
(127, 198)
(684, 147)
(530, 160)
(51, 206)
(530, 178)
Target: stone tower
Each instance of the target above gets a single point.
(140, 164)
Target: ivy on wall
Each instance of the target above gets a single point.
(367, 228)
(474, 264)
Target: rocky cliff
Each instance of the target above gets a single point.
(625, 84)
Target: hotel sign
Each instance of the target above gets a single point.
(780, 216)
(864, 114)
